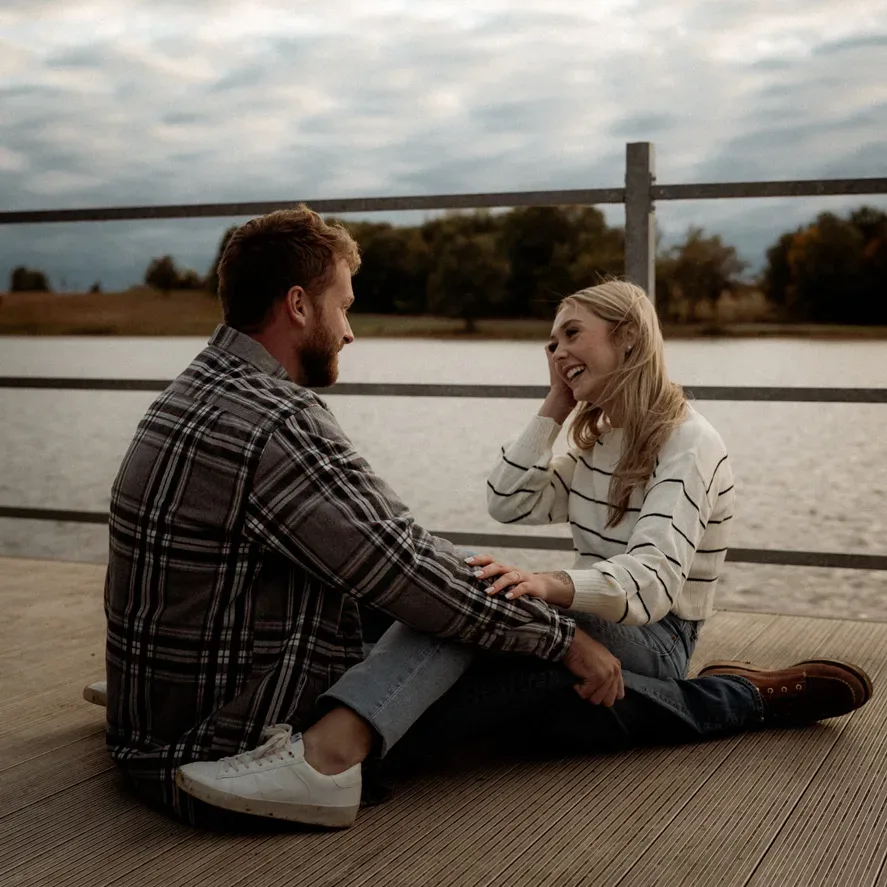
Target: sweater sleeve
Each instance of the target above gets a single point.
(641, 585)
(528, 485)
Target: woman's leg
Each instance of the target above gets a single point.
(467, 693)
(658, 650)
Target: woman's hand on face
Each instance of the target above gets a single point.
(554, 588)
(560, 401)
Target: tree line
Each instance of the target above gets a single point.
(520, 263)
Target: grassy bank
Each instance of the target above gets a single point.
(146, 312)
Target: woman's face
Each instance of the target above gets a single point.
(583, 351)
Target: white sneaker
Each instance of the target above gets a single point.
(96, 693)
(275, 780)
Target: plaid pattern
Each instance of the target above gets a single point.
(244, 529)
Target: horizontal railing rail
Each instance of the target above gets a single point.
(494, 200)
(774, 556)
(508, 392)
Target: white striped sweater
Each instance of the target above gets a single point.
(666, 553)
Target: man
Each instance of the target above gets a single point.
(244, 531)
(244, 528)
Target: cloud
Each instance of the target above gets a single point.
(120, 102)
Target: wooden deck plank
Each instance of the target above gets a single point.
(727, 829)
(837, 834)
(52, 772)
(424, 853)
(602, 845)
(64, 819)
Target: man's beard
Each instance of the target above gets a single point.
(320, 361)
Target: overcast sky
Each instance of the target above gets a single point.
(110, 102)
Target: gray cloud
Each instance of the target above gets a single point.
(851, 44)
(202, 103)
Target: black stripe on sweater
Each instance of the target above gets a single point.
(723, 520)
(599, 535)
(664, 587)
(600, 557)
(670, 559)
(601, 501)
(677, 480)
(714, 474)
(640, 596)
(513, 493)
(522, 467)
(592, 468)
(520, 517)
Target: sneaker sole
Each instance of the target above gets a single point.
(747, 666)
(307, 814)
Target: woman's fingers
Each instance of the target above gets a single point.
(506, 580)
(493, 569)
(479, 560)
(517, 591)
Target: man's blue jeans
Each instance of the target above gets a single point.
(441, 692)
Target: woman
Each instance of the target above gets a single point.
(647, 487)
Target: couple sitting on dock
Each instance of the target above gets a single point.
(247, 534)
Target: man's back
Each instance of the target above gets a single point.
(203, 619)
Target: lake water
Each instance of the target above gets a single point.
(809, 476)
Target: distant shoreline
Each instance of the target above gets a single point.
(145, 312)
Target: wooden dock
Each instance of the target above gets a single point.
(797, 807)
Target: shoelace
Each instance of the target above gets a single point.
(277, 747)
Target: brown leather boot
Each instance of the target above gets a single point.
(803, 693)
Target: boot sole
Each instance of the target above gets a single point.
(96, 693)
(747, 666)
(307, 814)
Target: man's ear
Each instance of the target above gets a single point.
(295, 304)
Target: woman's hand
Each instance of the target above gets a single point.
(559, 402)
(554, 588)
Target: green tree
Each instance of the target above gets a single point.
(190, 280)
(777, 279)
(212, 277)
(28, 280)
(162, 274)
(833, 270)
(394, 270)
(553, 251)
(696, 271)
(469, 278)
(826, 264)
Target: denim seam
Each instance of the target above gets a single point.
(401, 684)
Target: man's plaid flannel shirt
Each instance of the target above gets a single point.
(244, 529)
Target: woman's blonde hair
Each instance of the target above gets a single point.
(639, 392)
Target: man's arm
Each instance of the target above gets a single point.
(318, 503)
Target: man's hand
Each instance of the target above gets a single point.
(554, 588)
(599, 671)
